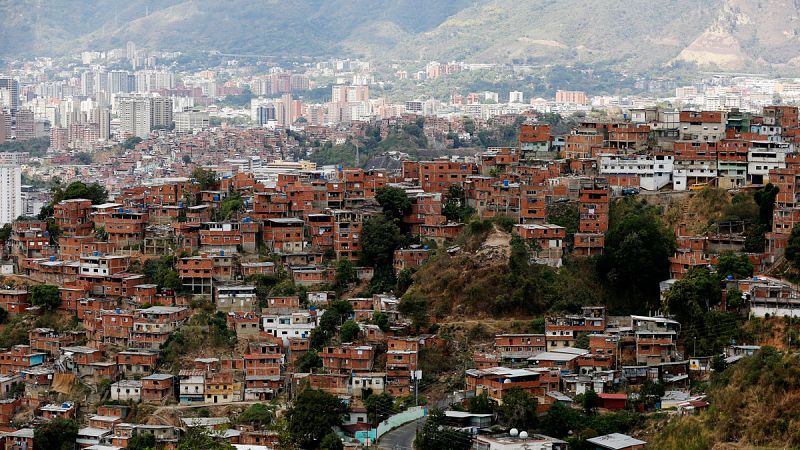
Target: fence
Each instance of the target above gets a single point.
(409, 415)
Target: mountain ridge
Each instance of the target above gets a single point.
(638, 34)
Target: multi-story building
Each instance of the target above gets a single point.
(702, 126)
(284, 235)
(152, 326)
(650, 172)
(72, 217)
(9, 88)
(562, 331)
(135, 116)
(5, 125)
(656, 339)
(292, 325)
(236, 298)
(593, 208)
(695, 163)
(547, 240)
(25, 128)
(497, 381)
(348, 358)
(516, 348)
(10, 193)
(534, 142)
(189, 120)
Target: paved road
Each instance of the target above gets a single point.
(402, 437)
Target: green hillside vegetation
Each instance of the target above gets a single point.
(408, 138)
(754, 404)
(492, 275)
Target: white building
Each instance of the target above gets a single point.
(134, 114)
(515, 97)
(654, 171)
(190, 120)
(285, 326)
(125, 390)
(192, 386)
(139, 114)
(372, 381)
(764, 156)
(10, 193)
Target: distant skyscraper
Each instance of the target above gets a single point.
(265, 114)
(134, 115)
(577, 97)
(25, 125)
(130, 50)
(189, 120)
(515, 97)
(160, 112)
(59, 138)
(10, 87)
(87, 83)
(120, 81)
(10, 193)
(101, 117)
(5, 125)
(140, 115)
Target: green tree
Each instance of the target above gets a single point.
(56, 434)
(404, 280)
(349, 331)
(415, 308)
(258, 415)
(636, 254)
(481, 404)
(345, 273)
(792, 252)
(312, 416)
(718, 364)
(380, 237)
(738, 266)
(590, 402)
(733, 299)
(652, 388)
(45, 295)
(142, 441)
(309, 361)
(231, 206)
(331, 442)
(131, 142)
(518, 410)
(394, 201)
(379, 407)
(5, 232)
(381, 320)
(200, 438)
(84, 158)
(435, 435)
(455, 205)
(77, 189)
(206, 179)
(765, 198)
(3, 315)
(560, 420)
(690, 297)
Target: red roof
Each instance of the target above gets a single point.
(614, 396)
